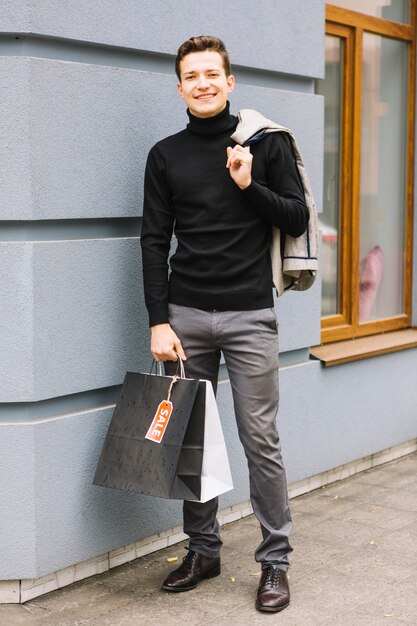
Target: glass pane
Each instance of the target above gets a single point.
(383, 177)
(394, 10)
(331, 89)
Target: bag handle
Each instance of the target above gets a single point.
(158, 367)
(180, 368)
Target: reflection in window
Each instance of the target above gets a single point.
(331, 89)
(383, 177)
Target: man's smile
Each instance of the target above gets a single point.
(205, 96)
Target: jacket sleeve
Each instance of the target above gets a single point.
(157, 226)
(281, 201)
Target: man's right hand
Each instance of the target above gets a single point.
(165, 344)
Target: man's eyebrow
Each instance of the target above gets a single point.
(214, 69)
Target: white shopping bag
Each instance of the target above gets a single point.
(216, 477)
(203, 470)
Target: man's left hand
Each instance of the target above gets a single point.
(239, 164)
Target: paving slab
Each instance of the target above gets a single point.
(377, 516)
(404, 499)
(399, 604)
(16, 615)
(320, 505)
(352, 618)
(394, 477)
(354, 492)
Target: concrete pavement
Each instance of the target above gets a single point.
(354, 564)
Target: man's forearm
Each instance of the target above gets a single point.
(155, 285)
(157, 226)
(288, 214)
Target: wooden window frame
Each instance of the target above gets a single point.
(350, 26)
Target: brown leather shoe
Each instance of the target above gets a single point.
(273, 591)
(193, 568)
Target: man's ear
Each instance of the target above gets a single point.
(180, 91)
(230, 83)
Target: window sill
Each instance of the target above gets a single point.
(361, 348)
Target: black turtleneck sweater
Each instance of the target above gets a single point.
(223, 233)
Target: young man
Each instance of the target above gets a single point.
(222, 200)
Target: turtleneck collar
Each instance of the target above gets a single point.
(220, 123)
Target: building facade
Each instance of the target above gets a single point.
(86, 90)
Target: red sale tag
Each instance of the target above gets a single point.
(160, 422)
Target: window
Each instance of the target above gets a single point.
(368, 167)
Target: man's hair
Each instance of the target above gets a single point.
(201, 44)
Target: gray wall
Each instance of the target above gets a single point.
(83, 96)
(277, 35)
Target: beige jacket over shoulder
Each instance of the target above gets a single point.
(295, 266)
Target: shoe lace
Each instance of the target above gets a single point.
(188, 560)
(272, 576)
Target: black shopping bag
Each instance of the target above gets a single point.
(171, 456)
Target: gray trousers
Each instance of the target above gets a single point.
(249, 342)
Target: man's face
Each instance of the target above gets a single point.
(204, 85)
